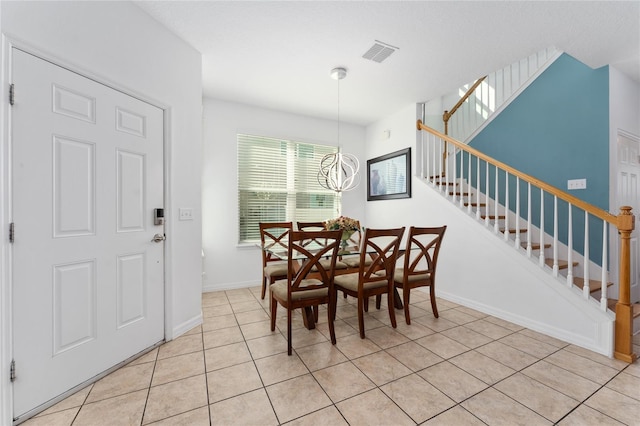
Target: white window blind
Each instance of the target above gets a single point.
(277, 182)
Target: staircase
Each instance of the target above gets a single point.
(467, 178)
(497, 221)
(476, 104)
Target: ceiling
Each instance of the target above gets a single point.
(278, 54)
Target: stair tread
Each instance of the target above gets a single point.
(464, 194)
(536, 246)
(513, 230)
(562, 264)
(475, 204)
(493, 217)
(611, 304)
(594, 285)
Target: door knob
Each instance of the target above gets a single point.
(158, 238)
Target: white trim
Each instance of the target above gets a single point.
(180, 329)
(6, 327)
(229, 286)
(603, 332)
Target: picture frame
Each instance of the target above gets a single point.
(389, 176)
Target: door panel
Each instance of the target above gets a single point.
(629, 195)
(88, 282)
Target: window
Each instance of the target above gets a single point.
(277, 182)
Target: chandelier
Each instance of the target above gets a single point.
(339, 172)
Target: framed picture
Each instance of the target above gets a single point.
(389, 176)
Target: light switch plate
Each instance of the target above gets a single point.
(185, 214)
(576, 184)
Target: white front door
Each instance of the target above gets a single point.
(88, 281)
(629, 195)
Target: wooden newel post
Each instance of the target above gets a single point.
(623, 348)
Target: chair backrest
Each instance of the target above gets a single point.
(423, 246)
(382, 245)
(311, 226)
(308, 260)
(274, 236)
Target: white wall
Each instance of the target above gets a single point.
(117, 43)
(228, 265)
(402, 127)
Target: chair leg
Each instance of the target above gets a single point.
(289, 346)
(315, 313)
(432, 294)
(274, 309)
(378, 301)
(392, 309)
(331, 316)
(264, 287)
(366, 304)
(406, 292)
(361, 316)
(333, 301)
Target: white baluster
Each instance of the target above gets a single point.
(455, 175)
(586, 291)
(442, 165)
(462, 179)
(506, 206)
(541, 256)
(555, 236)
(603, 288)
(570, 249)
(469, 196)
(517, 243)
(486, 195)
(425, 155)
(529, 236)
(496, 226)
(477, 197)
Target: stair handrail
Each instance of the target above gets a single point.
(594, 210)
(624, 222)
(448, 113)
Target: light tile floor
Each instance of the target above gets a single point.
(464, 368)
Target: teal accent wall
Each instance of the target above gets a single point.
(557, 129)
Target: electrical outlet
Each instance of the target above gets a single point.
(185, 214)
(576, 184)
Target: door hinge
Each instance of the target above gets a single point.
(12, 370)
(11, 232)
(12, 94)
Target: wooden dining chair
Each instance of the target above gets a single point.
(319, 226)
(419, 266)
(308, 283)
(376, 278)
(273, 235)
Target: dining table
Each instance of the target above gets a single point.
(308, 315)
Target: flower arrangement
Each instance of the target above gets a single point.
(343, 222)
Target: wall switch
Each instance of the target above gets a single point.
(185, 214)
(576, 184)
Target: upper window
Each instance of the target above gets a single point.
(277, 182)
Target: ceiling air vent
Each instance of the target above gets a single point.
(379, 51)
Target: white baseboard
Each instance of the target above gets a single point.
(228, 286)
(180, 329)
(602, 342)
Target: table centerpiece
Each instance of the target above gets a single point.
(348, 225)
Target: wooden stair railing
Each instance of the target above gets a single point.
(452, 184)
